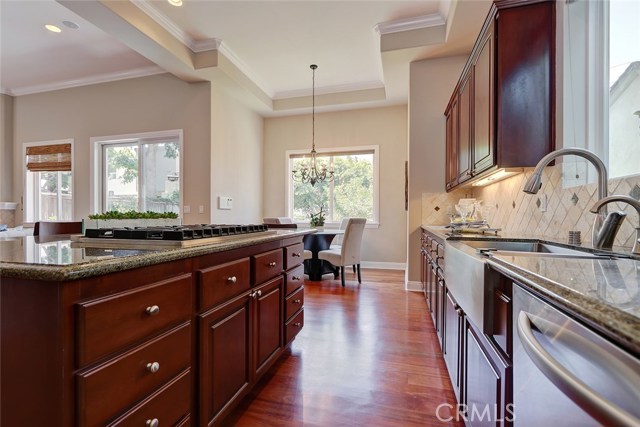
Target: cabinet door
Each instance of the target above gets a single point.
(225, 350)
(453, 341)
(483, 384)
(464, 129)
(483, 104)
(268, 323)
(452, 145)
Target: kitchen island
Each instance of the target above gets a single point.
(116, 337)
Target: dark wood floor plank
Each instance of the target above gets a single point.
(367, 356)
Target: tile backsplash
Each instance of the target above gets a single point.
(512, 210)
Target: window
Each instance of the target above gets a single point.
(352, 193)
(138, 172)
(48, 181)
(600, 61)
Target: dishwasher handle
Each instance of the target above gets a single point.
(603, 410)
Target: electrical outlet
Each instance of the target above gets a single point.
(201, 209)
(543, 203)
(186, 209)
(225, 202)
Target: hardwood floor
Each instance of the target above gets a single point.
(367, 356)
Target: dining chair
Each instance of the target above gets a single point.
(277, 220)
(46, 228)
(340, 237)
(349, 252)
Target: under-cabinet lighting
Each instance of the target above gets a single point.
(496, 176)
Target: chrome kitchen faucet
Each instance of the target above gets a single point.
(608, 233)
(534, 182)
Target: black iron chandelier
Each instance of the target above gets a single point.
(312, 171)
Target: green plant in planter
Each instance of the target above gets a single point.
(317, 219)
(133, 215)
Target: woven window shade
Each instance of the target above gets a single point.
(49, 158)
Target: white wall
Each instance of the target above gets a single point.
(236, 159)
(144, 104)
(6, 148)
(386, 127)
(431, 85)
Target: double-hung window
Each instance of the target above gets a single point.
(599, 58)
(48, 181)
(352, 193)
(138, 172)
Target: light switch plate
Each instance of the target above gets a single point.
(225, 202)
(186, 209)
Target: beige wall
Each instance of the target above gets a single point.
(145, 104)
(236, 159)
(6, 148)
(386, 127)
(431, 85)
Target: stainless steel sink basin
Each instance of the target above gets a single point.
(467, 275)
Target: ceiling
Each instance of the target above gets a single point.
(262, 49)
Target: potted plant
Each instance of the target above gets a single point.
(116, 219)
(317, 219)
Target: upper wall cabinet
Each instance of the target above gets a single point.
(501, 113)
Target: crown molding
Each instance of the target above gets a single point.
(244, 69)
(325, 90)
(103, 78)
(408, 24)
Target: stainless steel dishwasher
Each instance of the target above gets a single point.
(567, 375)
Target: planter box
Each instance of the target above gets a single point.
(131, 223)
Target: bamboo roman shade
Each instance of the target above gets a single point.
(49, 158)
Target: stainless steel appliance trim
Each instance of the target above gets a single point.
(603, 410)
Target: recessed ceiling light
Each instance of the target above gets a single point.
(70, 24)
(175, 2)
(53, 28)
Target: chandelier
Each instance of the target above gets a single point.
(312, 171)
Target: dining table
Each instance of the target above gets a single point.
(316, 242)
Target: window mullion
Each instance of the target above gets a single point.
(141, 207)
(59, 196)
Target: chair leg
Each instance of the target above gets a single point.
(354, 268)
(342, 275)
(335, 273)
(359, 276)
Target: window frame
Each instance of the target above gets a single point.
(31, 190)
(97, 166)
(350, 150)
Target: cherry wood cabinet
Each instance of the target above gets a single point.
(178, 343)
(501, 113)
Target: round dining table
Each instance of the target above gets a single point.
(316, 242)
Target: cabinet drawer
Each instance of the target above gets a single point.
(293, 255)
(169, 405)
(108, 324)
(294, 302)
(108, 389)
(267, 266)
(222, 282)
(293, 326)
(295, 279)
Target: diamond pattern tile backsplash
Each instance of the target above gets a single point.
(512, 210)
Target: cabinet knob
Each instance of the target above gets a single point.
(232, 279)
(258, 293)
(296, 301)
(152, 310)
(272, 264)
(297, 324)
(295, 277)
(153, 367)
(459, 311)
(153, 423)
(296, 254)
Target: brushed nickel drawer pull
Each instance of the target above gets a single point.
(296, 301)
(297, 324)
(295, 278)
(296, 254)
(152, 310)
(153, 367)
(232, 279)
(153, 423)
(272, 264)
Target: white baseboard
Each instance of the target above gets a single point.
(383, 265)
(414, 286)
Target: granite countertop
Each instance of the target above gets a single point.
(604, 293)
(58, 259)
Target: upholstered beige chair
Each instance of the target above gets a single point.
(349, 252)
(279, 222)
